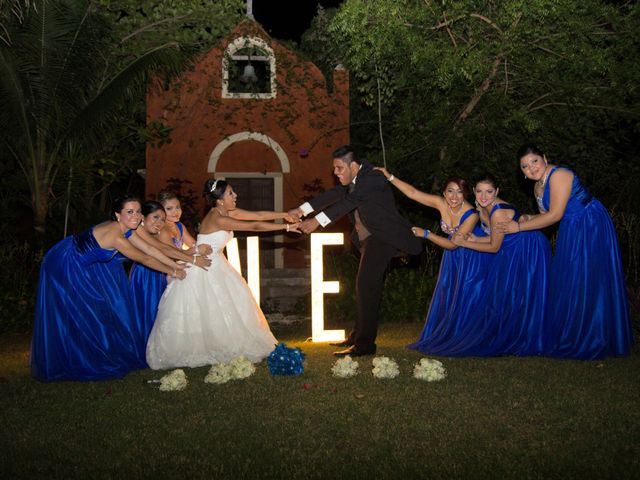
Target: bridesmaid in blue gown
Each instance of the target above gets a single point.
(588, 307)
(511, 320)
(459, 288)
(84, 326)
(147, 284)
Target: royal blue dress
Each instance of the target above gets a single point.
(147, 286)
(459, 291)
(84, 325)
(512, 322)
(506, 317)
(588, 307)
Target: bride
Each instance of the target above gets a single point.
(211, 316)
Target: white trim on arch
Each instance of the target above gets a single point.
(242, 136)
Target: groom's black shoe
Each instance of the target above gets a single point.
(344, 343)
(354, 351)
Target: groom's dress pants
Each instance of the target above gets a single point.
(375, 256)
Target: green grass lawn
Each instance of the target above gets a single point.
(490, 418)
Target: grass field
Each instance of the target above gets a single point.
(490, 418)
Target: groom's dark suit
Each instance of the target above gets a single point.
(385, 232)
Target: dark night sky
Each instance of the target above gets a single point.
(288, 19)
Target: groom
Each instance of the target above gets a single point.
(366, 196)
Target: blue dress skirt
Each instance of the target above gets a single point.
(504, 313)
(512, 321)
(588, 307)
(147, 287)
(84, 325)
(455, 300)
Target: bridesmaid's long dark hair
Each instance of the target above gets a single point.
(118, 204)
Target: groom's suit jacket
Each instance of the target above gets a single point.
(373, 198)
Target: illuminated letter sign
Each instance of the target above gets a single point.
(253, 263)
(319, 287)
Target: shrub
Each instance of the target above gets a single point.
(18, 285)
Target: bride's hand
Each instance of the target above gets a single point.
(294, 227)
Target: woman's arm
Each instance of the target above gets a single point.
(559, 191)
(444, 242)
(151, 251)
(495, 242)
(433, 201)
(187, 239)
(228, 223)
(130, 251)
(240, 214)
(171, 251)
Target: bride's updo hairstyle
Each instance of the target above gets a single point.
(214, 190)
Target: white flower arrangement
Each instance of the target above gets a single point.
(385, 367)
(220, 373)
(241, 368)
(173, 381)
(345, 367)
(236, 369)
(429, 370)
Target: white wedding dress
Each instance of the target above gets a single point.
(209, 317)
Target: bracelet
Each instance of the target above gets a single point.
(197, 250)
(391, 177)
(174, 273)
(426, 233)
(287, 227)
(194, 258)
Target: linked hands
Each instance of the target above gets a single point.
(293, 227)
(179, 273)
(202, 249)
(201, 261)
(294, 215)
(297, 224)
(458, 239)
(462, 240)
(309, 225)
(510, 226)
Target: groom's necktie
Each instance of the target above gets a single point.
(361, 230)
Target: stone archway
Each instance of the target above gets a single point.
(277, 166)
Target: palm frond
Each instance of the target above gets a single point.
(128, 84)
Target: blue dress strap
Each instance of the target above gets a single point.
(467, 214)
(506, 206)
(128, 233)
(180, 228)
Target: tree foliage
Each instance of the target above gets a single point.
(73, 78)
(463, 83)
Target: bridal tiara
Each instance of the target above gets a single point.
(213, 187)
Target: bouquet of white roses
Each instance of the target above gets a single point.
(345, 367)
(385, 367)
(241, 368)
(236, 369)
(220, 373)
(429, 370)
(173, 381)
